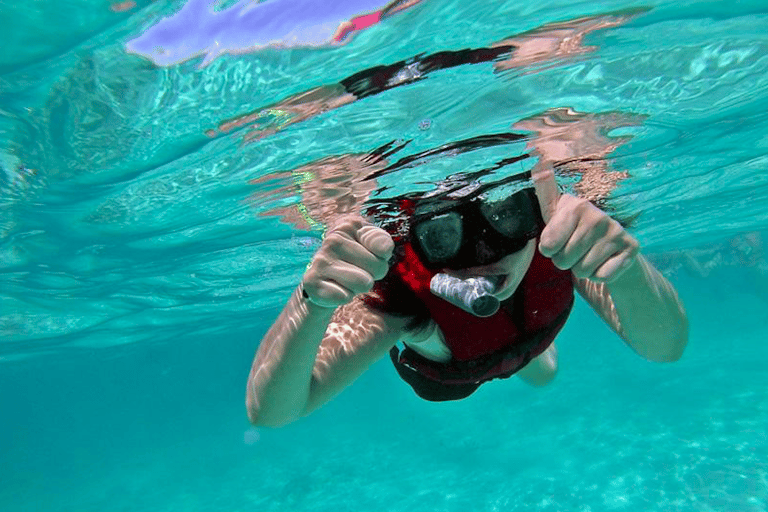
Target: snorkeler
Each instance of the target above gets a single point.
(548, 45)
(366, 289)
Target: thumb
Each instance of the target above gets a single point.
(545, 185)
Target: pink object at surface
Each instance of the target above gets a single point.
(358, 23)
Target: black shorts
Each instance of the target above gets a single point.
(429, 389)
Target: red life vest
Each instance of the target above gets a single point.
(494, 347)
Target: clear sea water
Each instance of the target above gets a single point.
(139, 271)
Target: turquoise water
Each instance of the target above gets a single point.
(141, 264)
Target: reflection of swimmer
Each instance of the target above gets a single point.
(548, 45)
(573, 143)
(744, 250)
(330, 187)
(557, 41)
(576, 144)
(367, 288)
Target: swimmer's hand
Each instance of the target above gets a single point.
(581, 237)
(353, 255)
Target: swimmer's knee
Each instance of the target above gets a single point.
(548, 375)
(542, 370)
(538, 377)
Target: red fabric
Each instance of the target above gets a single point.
(545, 295)
(459, 328)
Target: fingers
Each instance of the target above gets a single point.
(605, 261)
(614, 266)
(582, 238)
(377, 241)
(332, 283)
(364, 248)
(353, 255)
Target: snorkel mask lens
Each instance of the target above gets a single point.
(440, 237)
(516, 217)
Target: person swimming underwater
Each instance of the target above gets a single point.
(531, 249)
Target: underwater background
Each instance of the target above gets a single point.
(165, 172)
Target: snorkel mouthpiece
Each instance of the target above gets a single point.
(473, 295)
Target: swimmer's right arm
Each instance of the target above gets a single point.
(325, 336)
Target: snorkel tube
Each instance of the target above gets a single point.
(473, 295)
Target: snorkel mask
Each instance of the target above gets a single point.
(464, 234)
(477, 232)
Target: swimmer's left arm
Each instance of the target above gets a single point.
(611, 274)
(643, 308)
